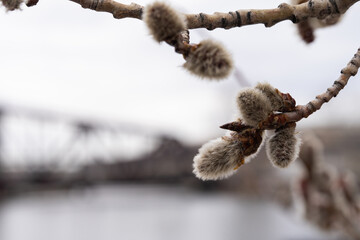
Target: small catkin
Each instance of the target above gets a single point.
(12, 5)
(275, 99)
(306, 31)
(283, 147)
(306, 28)
(164, 22)
(209, 60)
(217, 159)
(254, 106)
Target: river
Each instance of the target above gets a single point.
(139, 212)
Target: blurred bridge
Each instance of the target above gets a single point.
(43, 149)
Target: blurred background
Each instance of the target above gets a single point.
(99, 125)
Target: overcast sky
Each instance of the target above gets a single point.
(57, 56)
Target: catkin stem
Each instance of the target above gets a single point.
(269, 17)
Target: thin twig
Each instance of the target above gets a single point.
(118, 10)
(303, 111)
(269, 17)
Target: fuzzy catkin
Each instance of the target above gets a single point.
(254, 106)
(275, 99)
(217, 159)
(283, 147)
(164, 22)
(12, 5)
(209, 60)
(306, 31)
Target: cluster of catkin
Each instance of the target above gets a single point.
(220, 158)
(208, 59)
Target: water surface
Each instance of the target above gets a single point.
(138, 212)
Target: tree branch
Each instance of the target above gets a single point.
(269, 17)
(118, 10)
(303, 111)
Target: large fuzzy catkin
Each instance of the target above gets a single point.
(275, 99)
(254, 106)
(218, 159)
(164, 22)
(283, 147)
(11, 5)
(209, 60)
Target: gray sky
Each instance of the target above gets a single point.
(57, 56)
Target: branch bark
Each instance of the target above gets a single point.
(118, 10)
(269, 17)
